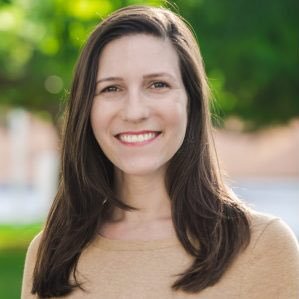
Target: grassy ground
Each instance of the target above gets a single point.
(11, 268)
(14, 240)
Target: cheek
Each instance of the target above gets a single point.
(100, 115)
(94, 119)
(99, 120)
(176, 116)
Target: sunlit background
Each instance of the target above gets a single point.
(250, 49)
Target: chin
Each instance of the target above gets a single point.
(141, 170)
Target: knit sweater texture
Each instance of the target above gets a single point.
(124, 269)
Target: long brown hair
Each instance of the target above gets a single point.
(210, 222)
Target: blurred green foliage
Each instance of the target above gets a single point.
(14, 240)
(17, 236)
(11, 272)
(250, 50)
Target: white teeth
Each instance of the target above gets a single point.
(136, 138)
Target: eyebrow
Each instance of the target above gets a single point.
(162, 74)
(109, 79)
(149, 76)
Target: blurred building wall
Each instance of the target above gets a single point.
(270, 152)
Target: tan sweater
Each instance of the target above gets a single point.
(117, 269)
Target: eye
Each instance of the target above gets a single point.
(110, 89)
(159, 85)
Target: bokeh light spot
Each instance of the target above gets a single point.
(53, 84)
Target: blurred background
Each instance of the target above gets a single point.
(250, 49)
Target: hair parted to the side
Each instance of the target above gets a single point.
(210, 222)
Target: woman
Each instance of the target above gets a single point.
(141, 210)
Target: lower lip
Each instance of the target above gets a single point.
(140, 143)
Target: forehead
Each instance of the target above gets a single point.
(138, 53)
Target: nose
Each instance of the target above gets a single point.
(135, 108)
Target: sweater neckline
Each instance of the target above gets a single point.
(131, 245)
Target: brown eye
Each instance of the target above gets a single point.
(110, 89)
(159, 84)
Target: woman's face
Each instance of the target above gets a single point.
(139, 112)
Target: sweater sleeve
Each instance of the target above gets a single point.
(29, 268)
(273, 269)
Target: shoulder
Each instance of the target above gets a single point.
(30, 261)
(268, 230)
(34, 244)
(33, 248)
(272, 259)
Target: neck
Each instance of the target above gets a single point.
(146, 193)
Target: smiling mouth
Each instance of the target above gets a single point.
(137, 138)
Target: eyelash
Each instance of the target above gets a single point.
(160, 82)
(108, 88)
